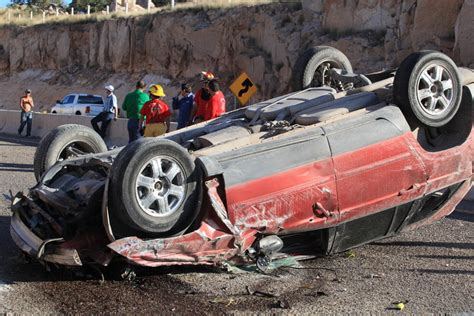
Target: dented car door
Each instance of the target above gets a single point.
(286, 184)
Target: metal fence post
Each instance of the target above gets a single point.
(148, 5)
(172, 4)
(31, 15)
(126, 7)
(88, 9)
(44, 16)
(72, 11)
(107, 10)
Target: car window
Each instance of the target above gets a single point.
(90, 99)
(68, 99)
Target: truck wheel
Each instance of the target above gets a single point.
(63, 142)
(427, 86)
(312, 67)
(154, 189)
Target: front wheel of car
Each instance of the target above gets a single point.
(64, 142)
(154, 189)
(427, 86)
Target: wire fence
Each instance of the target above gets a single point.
(29, 16)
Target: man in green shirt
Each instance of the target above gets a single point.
(133, 104)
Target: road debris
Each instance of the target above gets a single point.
(350, 254)
(224, 301)
(399, 306)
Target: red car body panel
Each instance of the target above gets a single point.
(286, 202)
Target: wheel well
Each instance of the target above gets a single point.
(78, 112)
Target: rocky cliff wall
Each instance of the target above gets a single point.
(262, 40)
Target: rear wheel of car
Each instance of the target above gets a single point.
(312, 67)
(154, 189)
(63, 142)
(427, 87)
(78, 113)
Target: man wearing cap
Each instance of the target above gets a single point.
(26, 118)
(133, 104)
(109, 112)
(156, 112)
(183, 102)
(201, 98)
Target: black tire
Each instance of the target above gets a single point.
(126, 197)
(424, 99)
(52, 146)
(78, 113)
(309, 62)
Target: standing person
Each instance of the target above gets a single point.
(109, 113)
(216, 105)
(133, 104)
(183, 102)
(201, 98)
(156, 112)
(26, 117)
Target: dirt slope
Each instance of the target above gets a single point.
(262, 40)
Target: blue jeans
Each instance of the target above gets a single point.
(133, 130)
(26, 118)
(104, 118)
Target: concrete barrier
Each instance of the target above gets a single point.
(117, 134)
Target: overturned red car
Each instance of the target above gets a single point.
(346, 160)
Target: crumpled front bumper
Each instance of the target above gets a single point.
(44, 250)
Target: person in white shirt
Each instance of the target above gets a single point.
(109, 113)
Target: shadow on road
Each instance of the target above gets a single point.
(22, 141)
(17, 167)
(461, 245)
(434, 271)
(445, 257)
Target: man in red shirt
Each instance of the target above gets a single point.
(201, 98)
(216, 105)
(156, 112)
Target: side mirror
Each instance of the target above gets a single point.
(58, 101)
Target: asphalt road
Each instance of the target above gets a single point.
(431, 269)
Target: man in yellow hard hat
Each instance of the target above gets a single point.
(156, 113)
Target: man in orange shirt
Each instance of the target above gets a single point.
(156, 112)
(26, 118)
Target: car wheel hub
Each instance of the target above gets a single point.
(160, 186)
(435, 90)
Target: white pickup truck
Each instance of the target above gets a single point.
(79, 104)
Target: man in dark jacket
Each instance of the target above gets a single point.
(183, 102)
